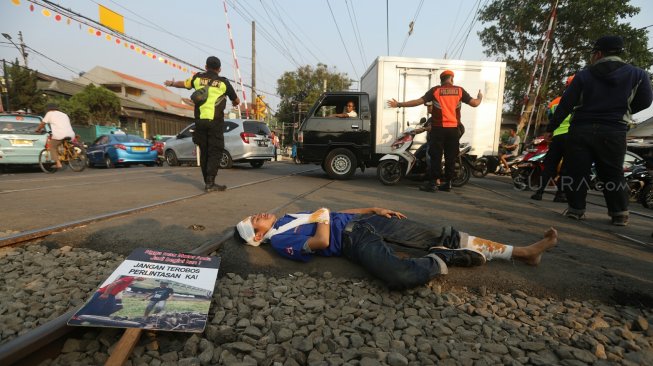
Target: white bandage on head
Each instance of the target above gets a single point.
(246, 231)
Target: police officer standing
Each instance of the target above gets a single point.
(444, 134)
(210, 101)
(602, 98)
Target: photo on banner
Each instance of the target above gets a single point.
(156, 290)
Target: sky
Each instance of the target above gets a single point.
(346, 35)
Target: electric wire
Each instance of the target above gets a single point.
(289, 32)
(310, 41)
(283, 42)
(411, 26)
(246, 15)
(342, 40)
(449, 41)
(457, 40)
(356, 35)
(358, 30)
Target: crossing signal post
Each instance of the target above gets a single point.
(260, 108)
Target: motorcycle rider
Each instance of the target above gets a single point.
(556, 152)
(510, 148)
(444, 134)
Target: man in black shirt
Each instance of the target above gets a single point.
(158, 298)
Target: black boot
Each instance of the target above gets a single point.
(209, 184)
(537, 196)
(560, 197)
(428, 187)
(445, 186)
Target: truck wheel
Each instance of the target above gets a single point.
(389, 172)
(340, 164)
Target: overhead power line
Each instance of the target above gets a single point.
(344, 45)
(411, 27)
(354, 27)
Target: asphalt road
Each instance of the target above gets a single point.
(593, 260)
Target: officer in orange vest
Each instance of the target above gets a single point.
(447, 99)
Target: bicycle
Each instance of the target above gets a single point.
(70, 154)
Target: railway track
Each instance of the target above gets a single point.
(612, 232)
(48, 338)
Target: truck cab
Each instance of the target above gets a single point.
(340, 145)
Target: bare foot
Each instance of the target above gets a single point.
(532, 254)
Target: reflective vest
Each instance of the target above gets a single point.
(448, 100)
(214, 106)
(564, 126)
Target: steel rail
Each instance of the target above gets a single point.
(589, 193)
(43, 232)
(21, 347)
(619, 235)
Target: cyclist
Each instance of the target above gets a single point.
(60, 129)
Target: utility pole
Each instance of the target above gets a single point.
(22, 48)
(254, 68)
(6, 83)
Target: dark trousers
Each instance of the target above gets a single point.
(209, 136)
(605, 146)
(367, 244)
(443, 140)
(552, 160)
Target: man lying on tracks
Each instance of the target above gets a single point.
(362, 236)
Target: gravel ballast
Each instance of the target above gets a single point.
(317, 319)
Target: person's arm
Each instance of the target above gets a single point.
(231, 93)
(175, 84)
(374, 210)
(392, 103)
(338, 115)
(40, 127)
(321, 238)
(475, 102)
(643, 95)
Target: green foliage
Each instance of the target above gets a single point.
(95, 105)
(22, 90)
(299, 89)
(514, 29)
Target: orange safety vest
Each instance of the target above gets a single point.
(448, 99)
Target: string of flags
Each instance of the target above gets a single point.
(100, 34)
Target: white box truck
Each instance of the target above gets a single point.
(341, 145)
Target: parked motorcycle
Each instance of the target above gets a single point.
(402, 162)
(527, 174)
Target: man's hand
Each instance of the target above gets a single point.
(104, 296)
(392, 103)
(235, 102)
(389, 213)
(169, 83)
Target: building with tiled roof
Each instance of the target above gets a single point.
(155, 110)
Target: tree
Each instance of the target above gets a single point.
(95, 105)
(299, 89)
(22, 90)
(514, 30)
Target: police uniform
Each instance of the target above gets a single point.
(444, 136)
(209, 120)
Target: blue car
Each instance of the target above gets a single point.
(112, 150)
(18, 142)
